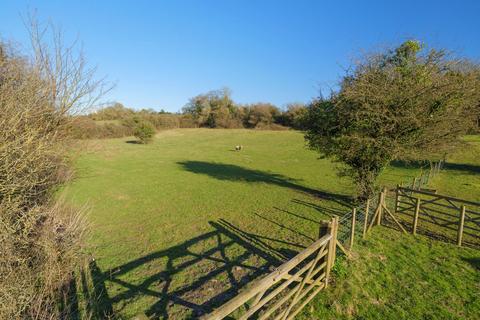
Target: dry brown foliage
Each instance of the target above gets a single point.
(40, 236)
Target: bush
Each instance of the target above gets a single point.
(144, 131)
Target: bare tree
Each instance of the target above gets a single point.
(40, 236)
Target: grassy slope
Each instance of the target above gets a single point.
(462, 177)
(403, 277)
(186, 217)
(396, 276)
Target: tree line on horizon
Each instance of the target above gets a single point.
(214, 109)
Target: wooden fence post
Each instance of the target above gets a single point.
(381, 204)
(460, 225)
(379, 208)
(415, 216)
(352, 231)
(397, 198)
(365, 222)
(332, 247)
(414, 183)
(334, 238)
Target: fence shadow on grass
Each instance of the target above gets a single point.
(222, 171)
(475, 262)
(219, 263)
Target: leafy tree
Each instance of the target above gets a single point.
(144, 131)
(116, 111)
(260, 114)
(213, 109)
(407, 103)
(293, 116)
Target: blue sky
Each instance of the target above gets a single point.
(161, 53)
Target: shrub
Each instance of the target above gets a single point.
(144, 131)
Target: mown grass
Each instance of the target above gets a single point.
(181, 224)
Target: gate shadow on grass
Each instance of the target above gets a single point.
(195, 276)
(222, 171)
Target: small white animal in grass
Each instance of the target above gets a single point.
(238, 148)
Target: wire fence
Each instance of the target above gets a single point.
(425, 176)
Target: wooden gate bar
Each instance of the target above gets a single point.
(460, 226)
(415, 218)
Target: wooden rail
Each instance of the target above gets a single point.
(284, 292)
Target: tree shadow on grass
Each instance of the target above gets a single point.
(230, 172)
(195, 276)
(469, 168)
(412, 164)
(133, 142)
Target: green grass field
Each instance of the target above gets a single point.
(180, 224)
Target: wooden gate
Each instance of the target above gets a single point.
(440, 216)
(284, 292)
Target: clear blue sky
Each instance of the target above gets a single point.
(160, 53)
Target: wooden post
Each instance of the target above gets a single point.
(379, 208)
(415, 216)
(332, 246)
(365, 223)
(334, 238)
(352, 231)
(397, 198)
(414, 182)
(460, 226)
(381, 204)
